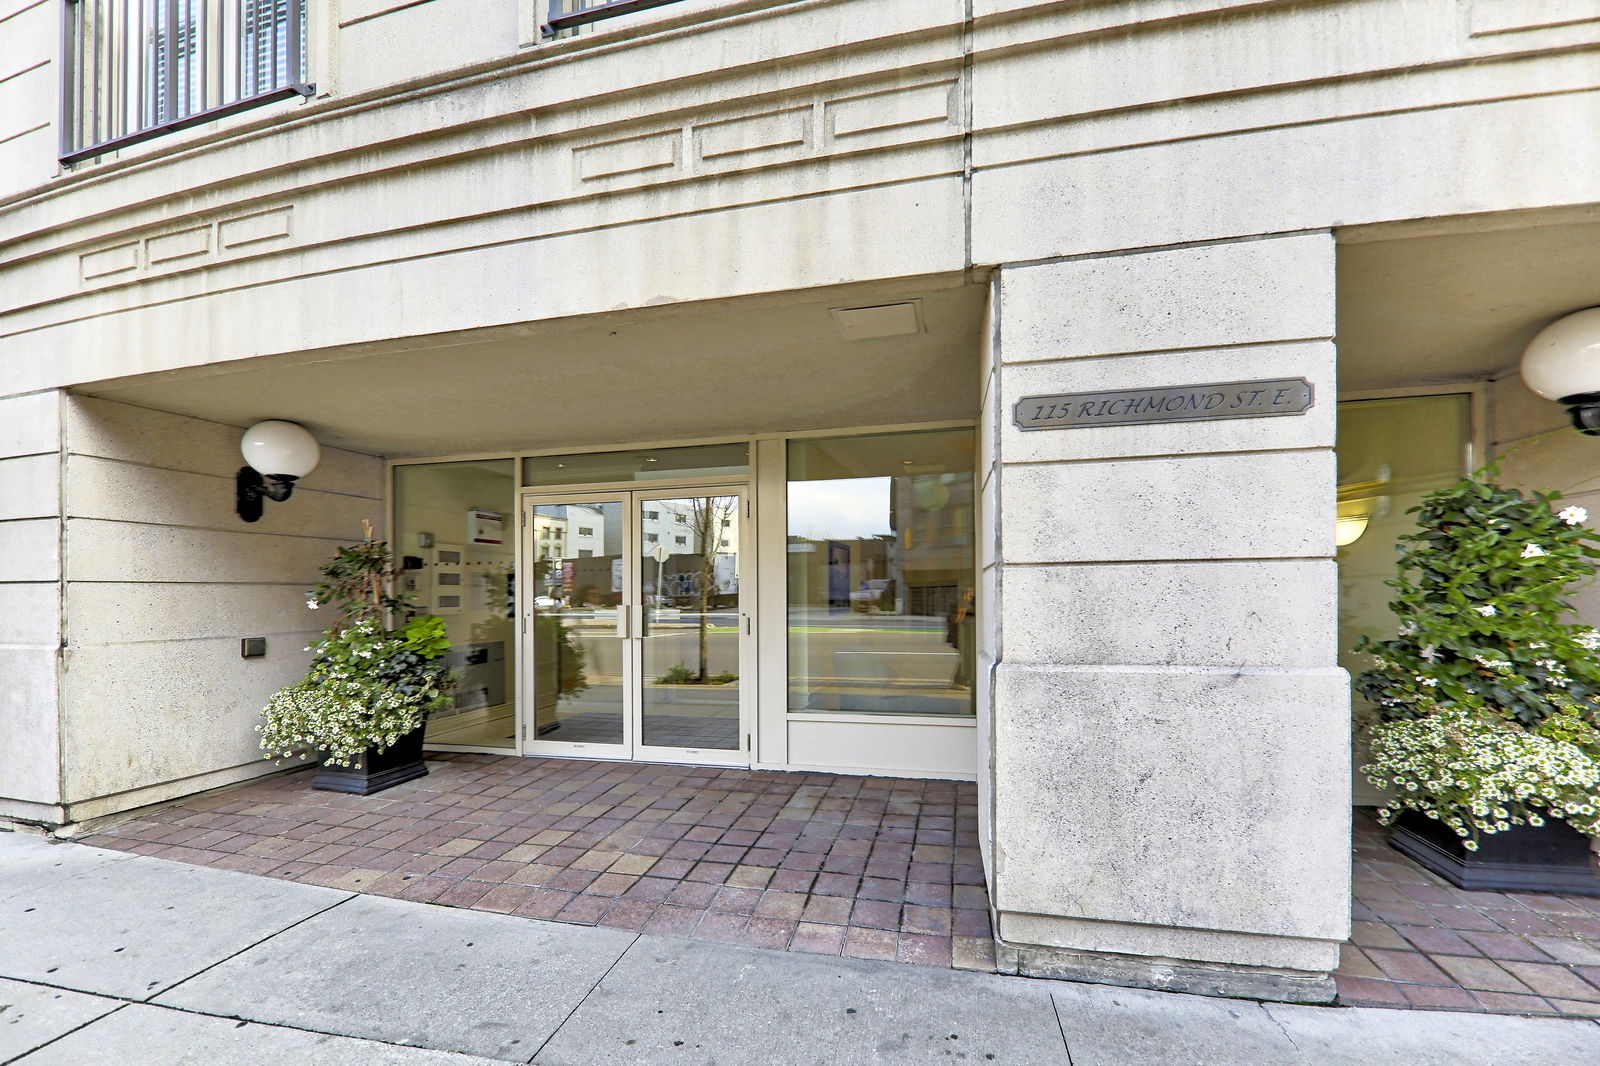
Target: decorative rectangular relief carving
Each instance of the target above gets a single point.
(181, 246)
(184, 244)
(719, 141)
(630, 155)
(896, 109)
(108, 261)
(250, 229)
(1489, 17)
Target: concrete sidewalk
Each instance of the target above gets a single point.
(107, 957)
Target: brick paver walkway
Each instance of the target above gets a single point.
(1418, 941)
(861, 866)
(868, 867)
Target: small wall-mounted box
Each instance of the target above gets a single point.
(253, 647)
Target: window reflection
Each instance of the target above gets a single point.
(454, 538)
(1391, 454)
(881, 573)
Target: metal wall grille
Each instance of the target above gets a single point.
(135, 69)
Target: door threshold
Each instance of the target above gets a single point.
(651, 759)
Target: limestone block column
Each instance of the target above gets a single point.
(1169, 776)
(30, 606)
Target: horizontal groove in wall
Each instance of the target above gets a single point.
(19, 73)
(51, 243)
(298, 635)
(450, 251)
(23, 10)
(1155, 457)
(175, 582)
(300, 489)
(24, 133)
(1005, 565)
(1271, 128)
(390, 10)
(1091, 357)
(267, 767)
(207, 529)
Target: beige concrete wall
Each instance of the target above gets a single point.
(862, 139)
(29, 75)
(30, 605)
(162, 580)
(1170, 735)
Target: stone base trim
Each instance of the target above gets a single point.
(1165, 975)
(30, 814)
(89, 816)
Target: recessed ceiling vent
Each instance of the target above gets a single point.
(884, 320)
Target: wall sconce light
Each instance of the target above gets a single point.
(279, 454)
(1562, 363)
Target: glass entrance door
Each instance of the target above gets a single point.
(634, 624)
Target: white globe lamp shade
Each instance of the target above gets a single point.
(1562, 363)
(280, 449)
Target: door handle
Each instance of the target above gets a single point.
(623, 614)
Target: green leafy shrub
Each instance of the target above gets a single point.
(367, 686)
(1487, 700)
(682, 675)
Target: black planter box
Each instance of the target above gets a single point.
(1553, 857)
(375, 771)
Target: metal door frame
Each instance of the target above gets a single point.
(630, 622)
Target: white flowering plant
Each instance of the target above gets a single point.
(1488, 701)
(367, 686)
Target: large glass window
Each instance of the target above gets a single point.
(1391, 453)
(881, 573)
(455, 536)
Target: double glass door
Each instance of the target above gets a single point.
(635, 624)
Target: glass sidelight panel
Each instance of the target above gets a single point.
(1391, 452)
(881, 568)
(454, 544)
(689, 570)
(576, 581)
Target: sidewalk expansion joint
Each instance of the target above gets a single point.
(248, 947)
(620, 956)
(1055, 1008)
(121, 1003)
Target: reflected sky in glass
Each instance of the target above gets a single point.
(857, 509)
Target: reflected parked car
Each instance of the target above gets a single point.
(872, 595)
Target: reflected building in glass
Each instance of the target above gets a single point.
(880, 574)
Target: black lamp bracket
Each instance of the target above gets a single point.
(1584, 407)
(251, 487)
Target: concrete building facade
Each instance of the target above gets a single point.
(810, 256)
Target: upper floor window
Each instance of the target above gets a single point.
(567, 14)
(134, 69)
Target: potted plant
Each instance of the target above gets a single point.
(367, 694)
(1488, 700)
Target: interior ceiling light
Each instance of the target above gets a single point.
(1562, 363)
(883, 320)
(1358, 504)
